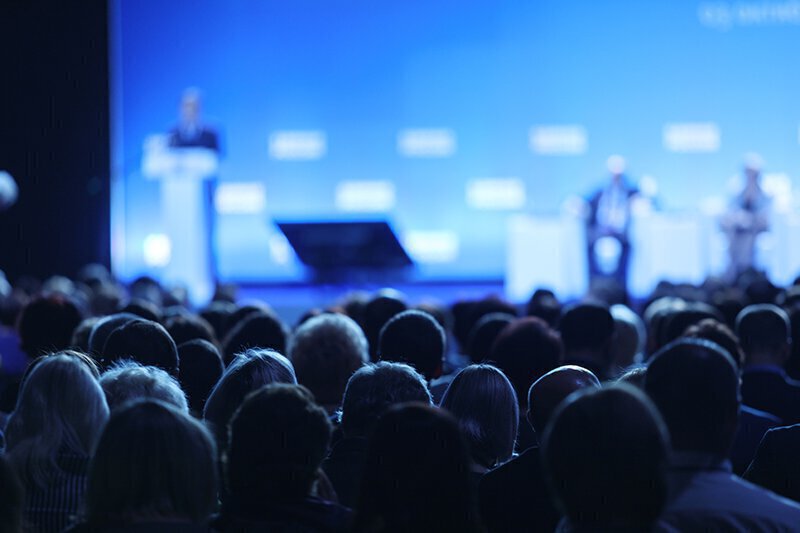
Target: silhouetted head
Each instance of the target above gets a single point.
(765, 334)
(80, 336)
(168, 462)
(325, 351)
(60, 407)
(416, 475)
(127, 381)
(256, 330)
(718, 333)
(145, 342)
(103, 328)
(376, 313)
(695, 385)
(376, 387)
(629, 336)
(484, 333)
(605, 455)
(526, 350)
(467, 313)
(46, 324)
(200, 367)
(413, 337)
(586, 331)
(247, 372)
(550, 390)
(142, 308)
(486, 407)
(187, 327)
(544, 304)
(217, 314)
(279, 438)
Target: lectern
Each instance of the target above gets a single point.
(184, 174)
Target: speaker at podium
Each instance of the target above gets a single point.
(185, 174)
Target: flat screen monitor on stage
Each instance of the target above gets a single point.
(444, 118)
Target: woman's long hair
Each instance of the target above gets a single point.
(61, 409)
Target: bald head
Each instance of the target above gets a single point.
(547, 392)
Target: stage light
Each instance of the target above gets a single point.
(439, 142)
(157, 250)
(298, 145)
(691, 137)
(240, 198)
(365, 196)
(566, 139)
(496, 194)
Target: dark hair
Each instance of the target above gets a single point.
(467, 313)
(526, 350)
(187, 327)
(605, 455)
(695, 385)
(11, 504)
(550, 391)
(376, 313)
(586, 326)
(484, 333)
(257, 330)
(376, 387)
(718, 333)
(103, 328)
(544, 304)
(46, 324)
(144, 309)
(200, 368)
(279, 437)
(486, 407)
(217, 314)
(416, 474)
(145, 342)
(413, 337)
(763, 327)
(248, 371)
(81, 333)
(152, 463)
(676, 323)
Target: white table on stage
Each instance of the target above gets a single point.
(183, 173)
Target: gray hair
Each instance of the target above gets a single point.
(128, 380)
(325, 351)
(60, 406)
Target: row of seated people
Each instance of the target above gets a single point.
(587, 418)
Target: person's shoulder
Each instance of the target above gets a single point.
(783, 434)
(524, 466)
(713, 497)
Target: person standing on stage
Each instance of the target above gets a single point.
(190, 131)
(607, 228)
(746, 218)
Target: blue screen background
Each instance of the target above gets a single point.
(362, 70)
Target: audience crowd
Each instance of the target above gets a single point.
(124, 409)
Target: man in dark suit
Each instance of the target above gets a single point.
(765, 335)
(190, 131)
(514, 496)
(775, 466)
(608, 223)
(695, 385)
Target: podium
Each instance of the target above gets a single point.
(348, 251)
(184, 174)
